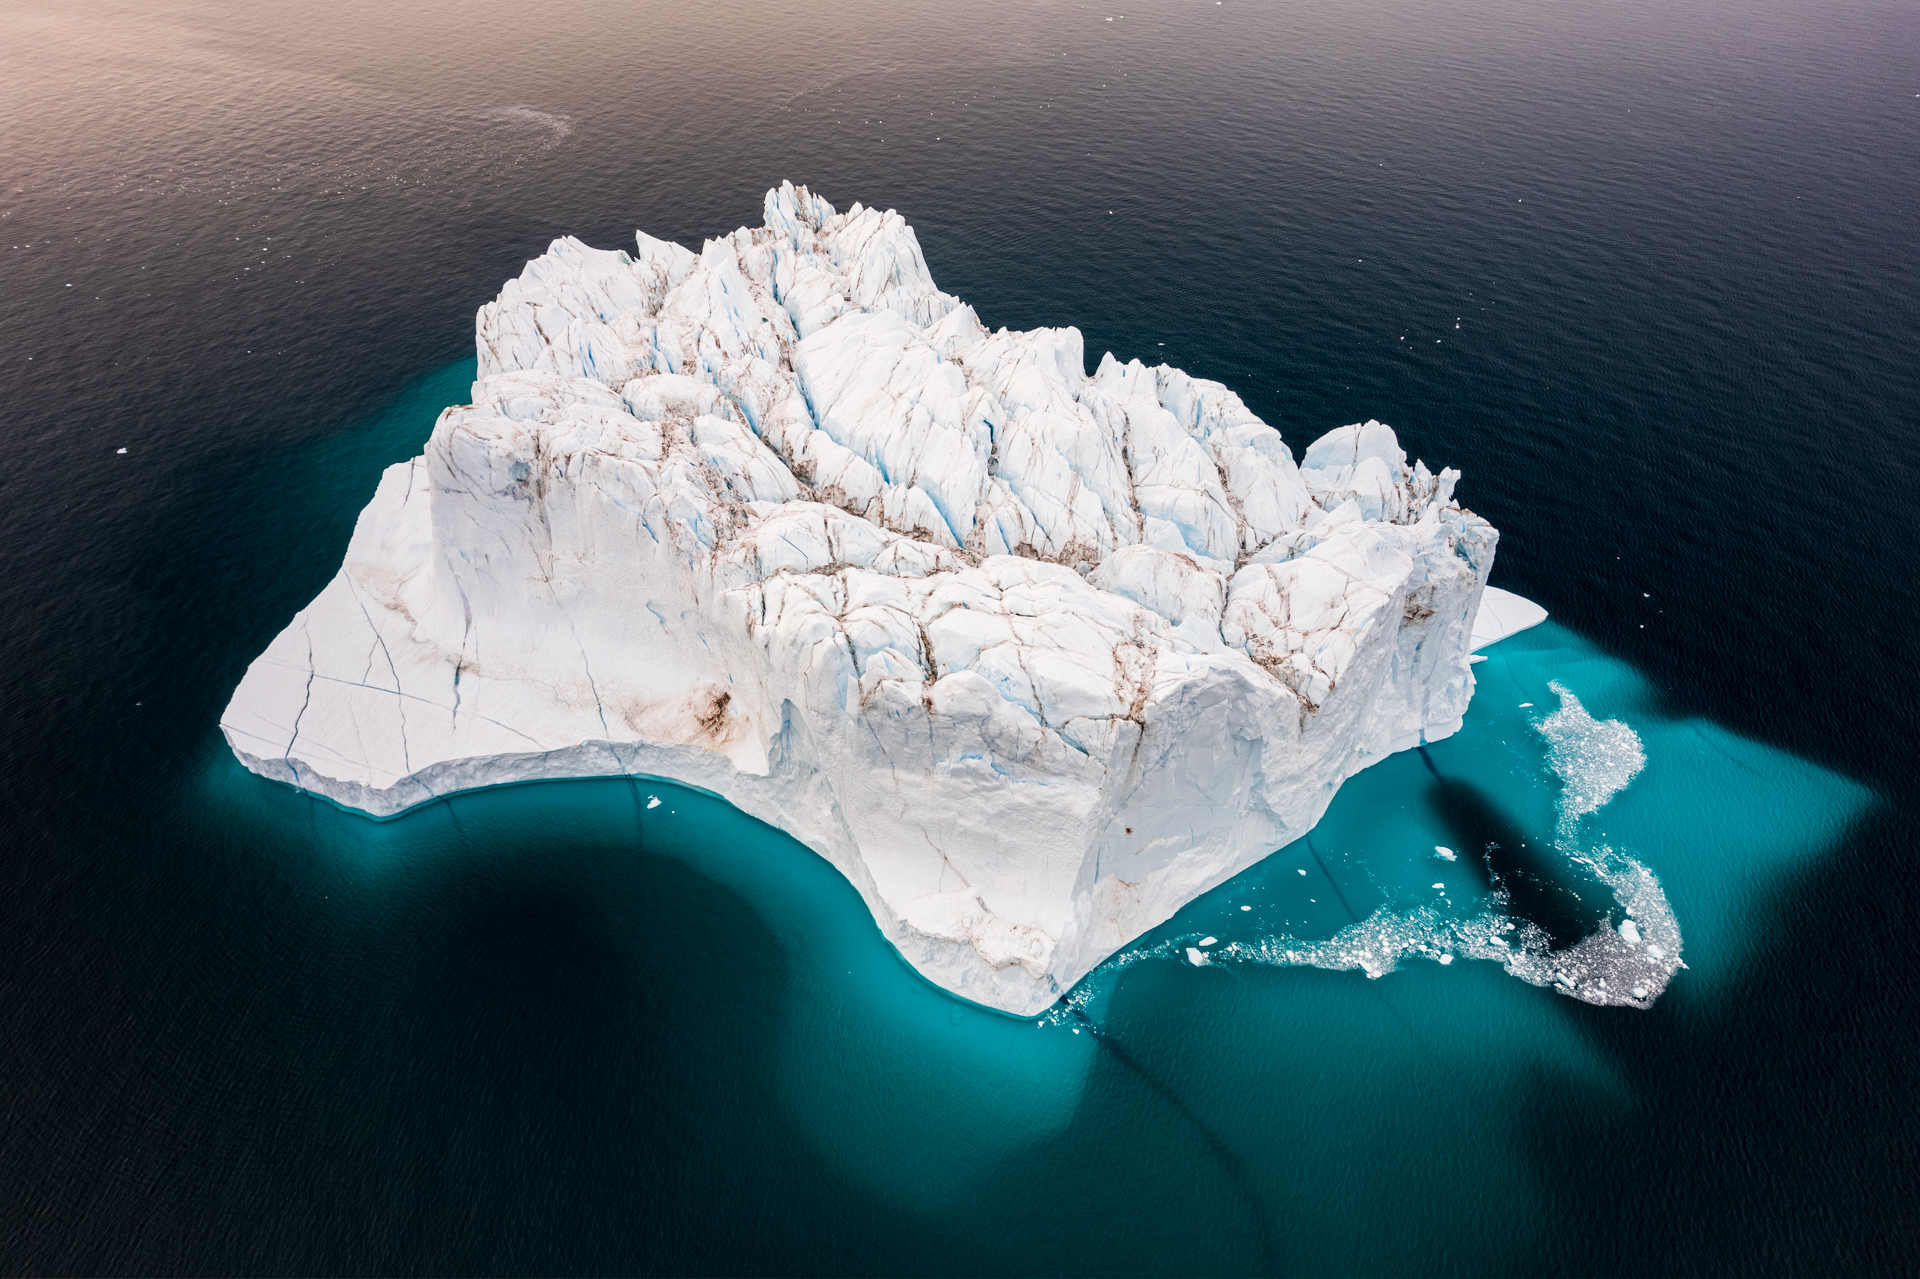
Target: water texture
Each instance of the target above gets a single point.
(1646, 272)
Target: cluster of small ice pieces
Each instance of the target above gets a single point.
(1630, 964)
(1033, 657)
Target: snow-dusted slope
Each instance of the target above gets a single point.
(1033, 657)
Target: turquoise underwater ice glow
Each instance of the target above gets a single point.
(1260, 1074)
(927, 1099)
(1564, 795)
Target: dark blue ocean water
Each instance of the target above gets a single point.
(1647, 272)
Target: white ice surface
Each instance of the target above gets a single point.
(1034, 658)
(1502, 613)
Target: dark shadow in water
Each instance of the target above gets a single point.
(1540, 885)
(1353, 916)
(1230, 1163)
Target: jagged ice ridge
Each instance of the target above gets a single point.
(1034, 658)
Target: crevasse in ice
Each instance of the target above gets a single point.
(1032, 657)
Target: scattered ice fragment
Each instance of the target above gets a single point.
(1197, 957)
(1303, 872)
(1444, 853)
(1594, 758)
(1209, 941)
(653, 801)
(1246, 908)
(1524, 705)
(119, 450)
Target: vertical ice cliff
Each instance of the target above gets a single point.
(1033, 657)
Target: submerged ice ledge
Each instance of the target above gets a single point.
(1034, 658)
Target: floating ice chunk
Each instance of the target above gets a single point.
(1209, 941)
(783, 521)
(1441, 887)
(1444, 853)
(1502, 613)
(1302, 871)
(653, 801)
(1197, 957)
(1630, 931)
(1246, 908)
(1446, 959)
(119, 450)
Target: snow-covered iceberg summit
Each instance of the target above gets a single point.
(1033, 657)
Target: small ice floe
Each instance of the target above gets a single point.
(1441, 887)
(1446, 959)
(1197, 957)
(1246, 908)
(119, 450)
(1444, 853)
(1524, 705)
(1303, 872)
(1630, 931)
(653, 801)
(1656, 952)
(1209, 941)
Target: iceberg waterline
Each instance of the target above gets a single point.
(1032, 657)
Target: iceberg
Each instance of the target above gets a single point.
(1032, 657)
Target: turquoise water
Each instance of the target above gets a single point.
(1270, 1096)
(1644, 271)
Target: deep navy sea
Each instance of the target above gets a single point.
(1647, 271)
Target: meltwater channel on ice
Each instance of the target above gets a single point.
(1033, 658)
